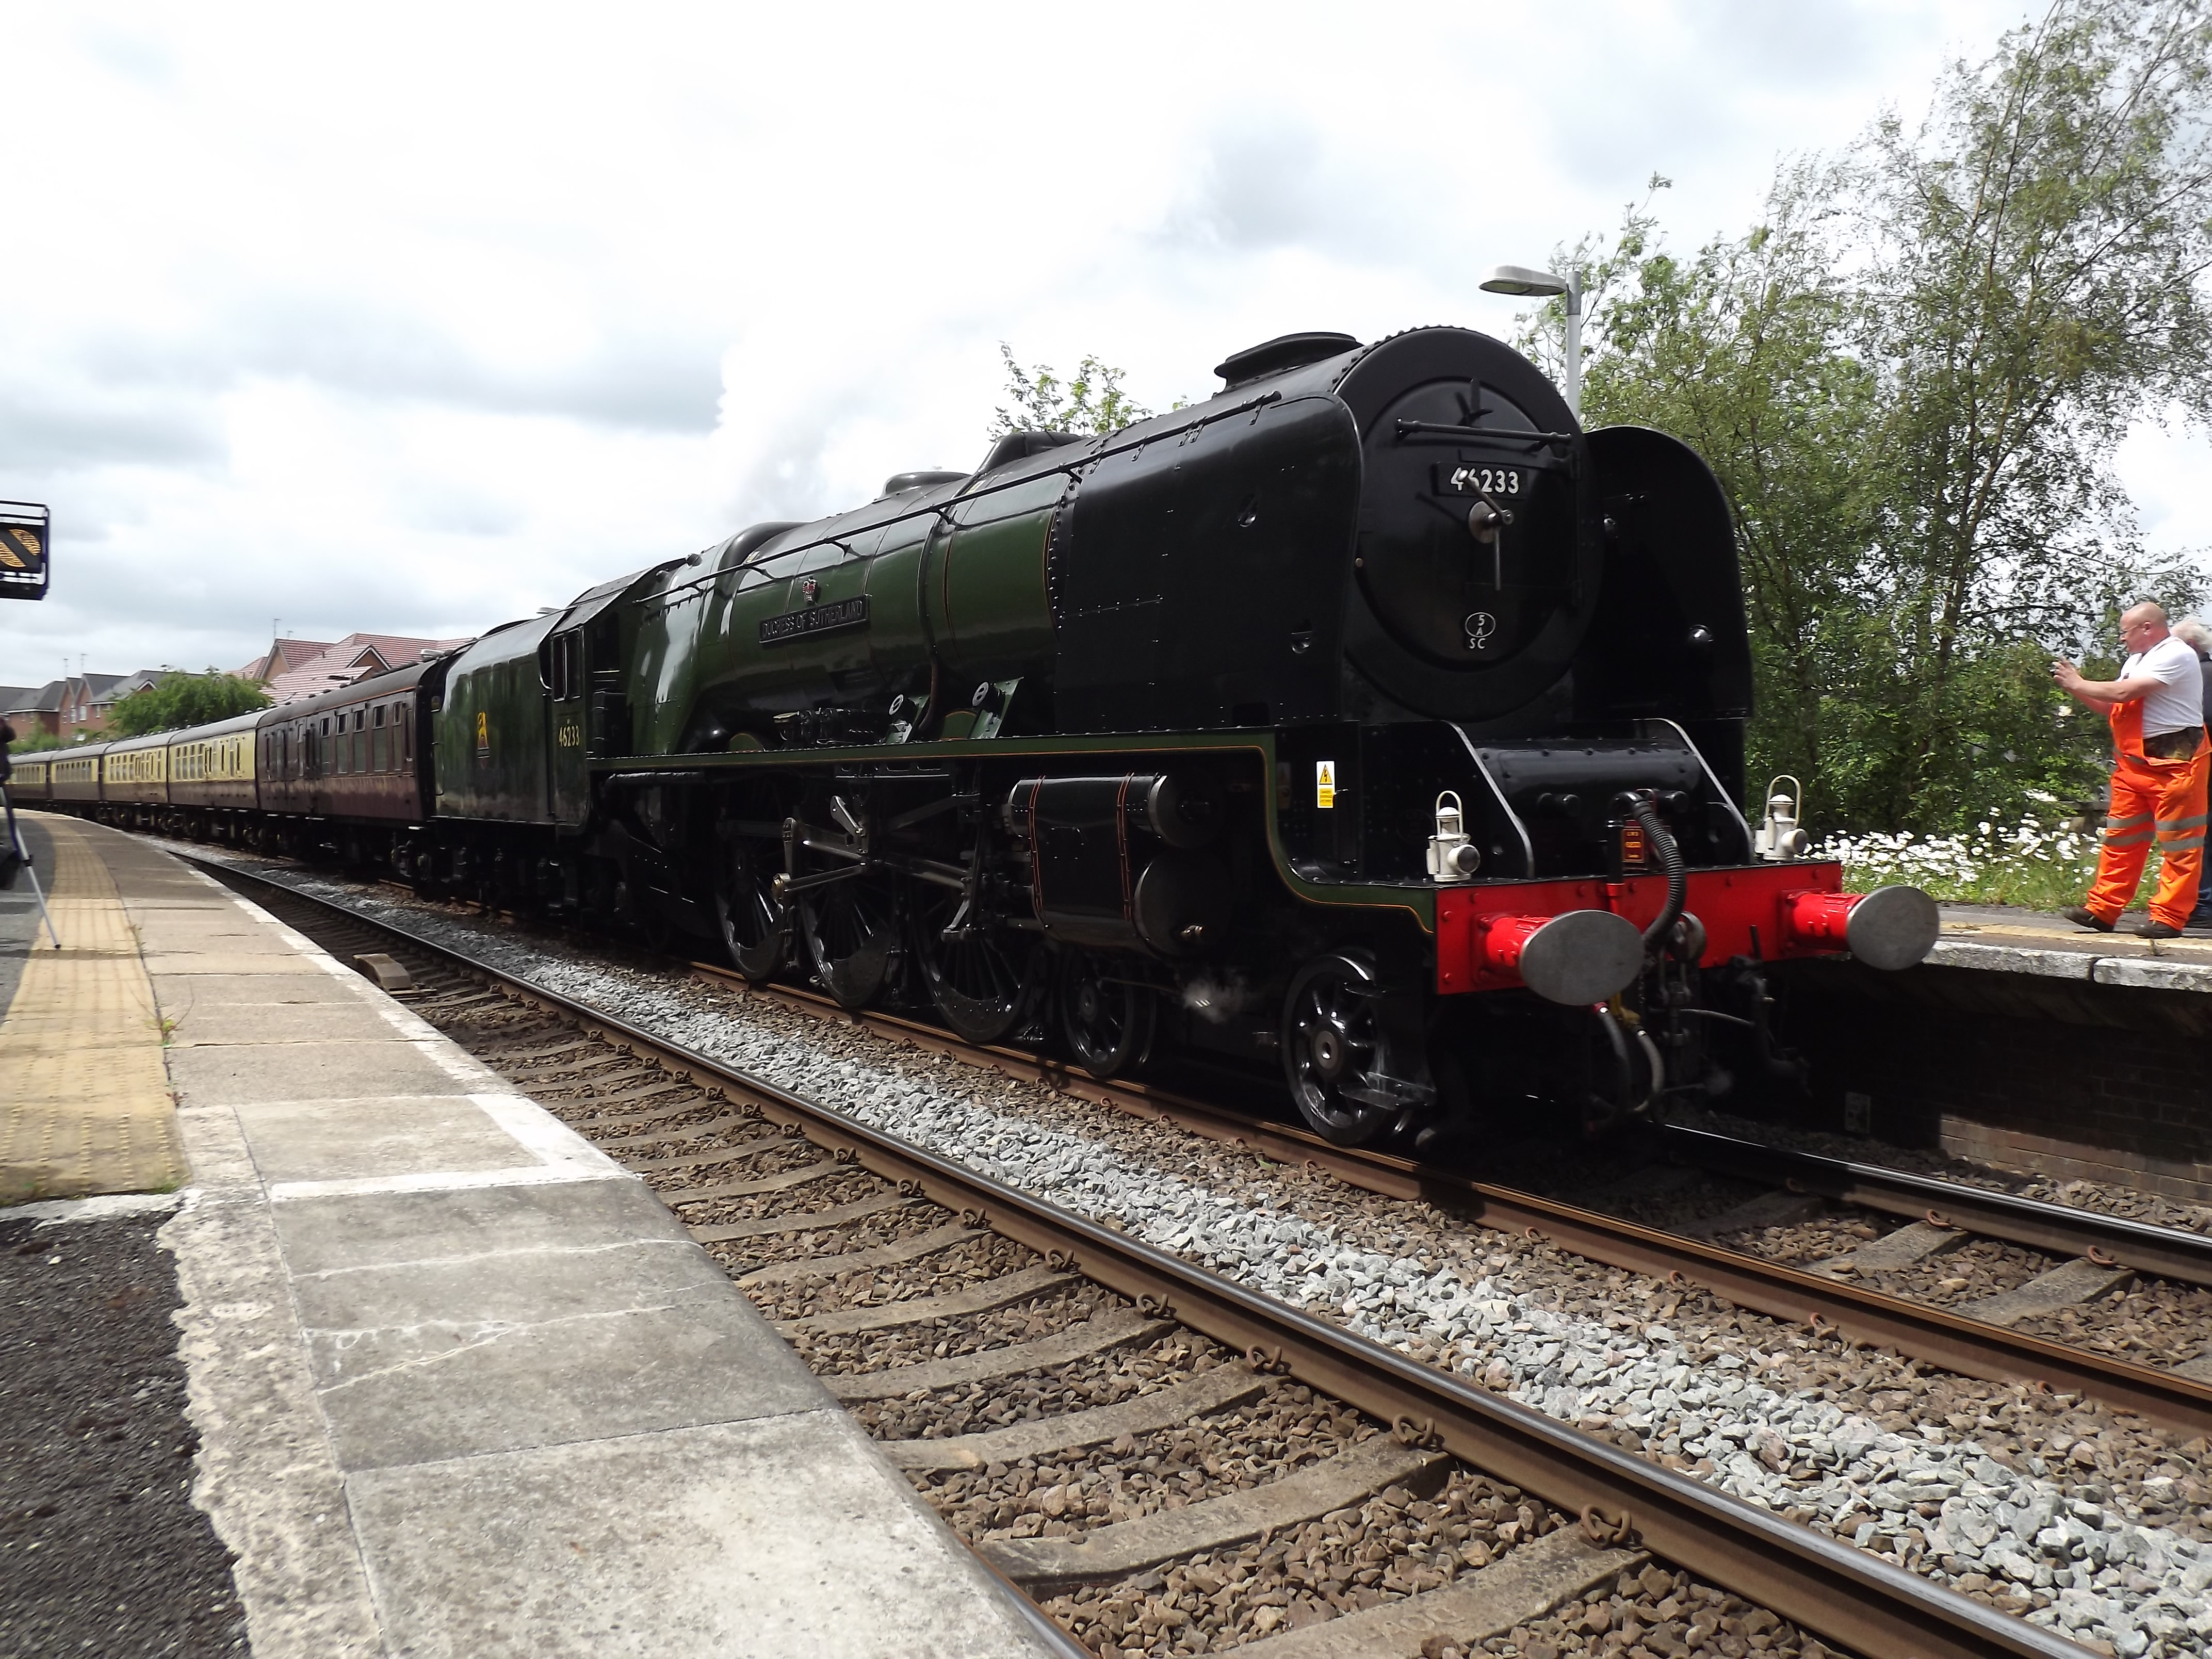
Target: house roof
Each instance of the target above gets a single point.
(101, 690)
(43, 700)
(341, 663)
(283, 655)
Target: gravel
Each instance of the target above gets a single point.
(2050, 1507)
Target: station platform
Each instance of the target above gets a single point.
(1994, 938)
(2022, 1043)
(464, 1386)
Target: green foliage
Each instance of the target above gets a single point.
(180, 700)
(1911, 380)
(37, 743)
(1093, 402)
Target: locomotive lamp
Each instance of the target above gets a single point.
(1779, 838)
(1524, 283)
(1452, 857)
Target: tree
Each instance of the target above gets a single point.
(1910, 379)
(1093, 402)
(2033, 289)
(180, 700)
(1739, 352)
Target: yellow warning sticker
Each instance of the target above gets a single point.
(1325, 784)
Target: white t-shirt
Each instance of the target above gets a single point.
(2178, 701)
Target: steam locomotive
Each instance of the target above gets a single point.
(1370, 720)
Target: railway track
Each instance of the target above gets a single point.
(1420, 1523)
(2101, 1252)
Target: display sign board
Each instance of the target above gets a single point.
(24, 529)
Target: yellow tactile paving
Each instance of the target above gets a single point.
(84, 1096)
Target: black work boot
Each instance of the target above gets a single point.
(2082, 916)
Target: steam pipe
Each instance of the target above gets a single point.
(1644, 805)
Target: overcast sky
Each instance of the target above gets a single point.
(412, 320)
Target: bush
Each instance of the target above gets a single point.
(180, 700)
(2033, 865)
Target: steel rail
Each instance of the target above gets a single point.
(1842, 1594)
(1856, 1314)
(2058, 1228)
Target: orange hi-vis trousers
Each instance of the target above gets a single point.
(2152, 799)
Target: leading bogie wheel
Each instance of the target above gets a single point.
(1106, 1020)
(1336, 1050)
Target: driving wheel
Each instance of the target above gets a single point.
(982, 976)
(755, 928)
(850, 926)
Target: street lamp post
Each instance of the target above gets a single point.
(1523, 283)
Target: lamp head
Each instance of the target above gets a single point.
(1523, 283)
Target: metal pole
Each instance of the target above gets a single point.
(15, 842)
(1575, 344)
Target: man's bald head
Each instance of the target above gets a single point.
(2142, 625)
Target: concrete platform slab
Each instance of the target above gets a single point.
(178, 926)
(188, 992)
(265, 1022)
(316, 1071)
(1999, 939)
(360, 1234)
(365, 1136)
(464, 1385)
(427, 1391)
(803, 1560)
(226, 961)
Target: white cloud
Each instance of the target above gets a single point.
(418, 319)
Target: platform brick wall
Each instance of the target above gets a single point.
(2064, 1078)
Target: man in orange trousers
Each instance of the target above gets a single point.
(2159, 764)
